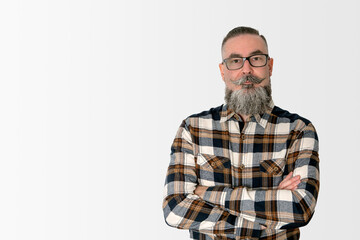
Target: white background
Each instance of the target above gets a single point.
(92, 93)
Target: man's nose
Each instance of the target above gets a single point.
(247, 68)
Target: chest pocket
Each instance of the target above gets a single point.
(273, 167)
(213, 170)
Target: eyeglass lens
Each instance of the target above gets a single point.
(255, 61)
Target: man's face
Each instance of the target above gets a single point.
(244, 46)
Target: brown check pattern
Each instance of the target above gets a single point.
(242, 164)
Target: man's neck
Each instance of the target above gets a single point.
(244, 117)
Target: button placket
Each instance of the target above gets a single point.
(243, 147)
(229, 126)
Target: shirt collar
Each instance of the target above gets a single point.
(226, 114)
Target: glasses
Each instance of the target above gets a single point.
(258, 60)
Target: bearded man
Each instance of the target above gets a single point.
(247, 169)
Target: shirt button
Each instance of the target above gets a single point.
(213, 164)
(242, 136)
(276, 169)
(242, 166)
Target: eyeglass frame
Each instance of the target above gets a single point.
(244, 59)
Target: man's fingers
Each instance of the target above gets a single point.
(289, 183)
(293, 186)
(288, 177)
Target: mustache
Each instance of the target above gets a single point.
(248, 78)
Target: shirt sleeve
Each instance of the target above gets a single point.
(278, 209)
(185, 210)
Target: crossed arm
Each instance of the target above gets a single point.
(290, 182)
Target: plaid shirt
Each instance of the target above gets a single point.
(242, 163)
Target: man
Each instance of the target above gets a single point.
(247, 169)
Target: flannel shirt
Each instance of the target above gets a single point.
(242, 163)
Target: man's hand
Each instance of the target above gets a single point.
(290, 182)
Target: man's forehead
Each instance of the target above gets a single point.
(245, 44)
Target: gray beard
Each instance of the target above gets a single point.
(249, 100)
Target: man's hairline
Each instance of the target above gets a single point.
(223, 45)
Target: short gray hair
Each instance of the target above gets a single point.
(240, 31)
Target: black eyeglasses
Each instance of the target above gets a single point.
(258, 60)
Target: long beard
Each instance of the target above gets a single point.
(249, 100)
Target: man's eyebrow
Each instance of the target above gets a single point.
(256, 52)
(236, 55)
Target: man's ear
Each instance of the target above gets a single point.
(221, 66)
(271, 62)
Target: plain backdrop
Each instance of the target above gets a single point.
(92, 94)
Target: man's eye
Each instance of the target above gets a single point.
(255, 58)
(235, 60)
